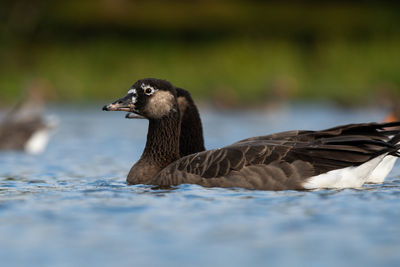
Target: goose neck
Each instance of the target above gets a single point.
(162, 146)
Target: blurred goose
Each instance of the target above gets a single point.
(341, 157)
(24, 127)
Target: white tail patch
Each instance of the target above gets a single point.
(383, 169)
(350, 177)
(379, 174)
(38, 141)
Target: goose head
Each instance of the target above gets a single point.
(147, 98)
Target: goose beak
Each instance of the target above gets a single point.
(114, 107)
(123, 104)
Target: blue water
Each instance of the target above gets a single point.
(70, 206)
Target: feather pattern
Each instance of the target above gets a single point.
(280, 161)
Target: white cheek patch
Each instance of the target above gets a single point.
(160, 104)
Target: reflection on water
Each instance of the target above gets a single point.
(70, 206)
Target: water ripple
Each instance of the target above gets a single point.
(71, 206)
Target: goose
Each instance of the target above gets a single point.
(24, 128)
(191, 139)
(340, 157)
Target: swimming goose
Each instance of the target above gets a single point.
(24, 128)
(340, 157)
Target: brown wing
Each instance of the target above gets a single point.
(371, 129)
(274, 164)
(289, 135)
(247, 166)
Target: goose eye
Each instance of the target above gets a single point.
(148, 91)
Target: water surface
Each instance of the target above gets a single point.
(70, 206)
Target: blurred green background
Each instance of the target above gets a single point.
(227, 52)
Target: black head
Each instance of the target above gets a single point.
(149, 98)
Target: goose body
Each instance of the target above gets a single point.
(335, 158)
(340, 157)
